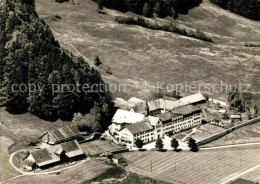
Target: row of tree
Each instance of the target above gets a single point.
(246, 8)
(148, 8)
(30, 55)
(174, 144)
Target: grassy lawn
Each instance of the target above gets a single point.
(87, 171)
(136, 54)
(206, 166)
(7, 171)
(246, 134)
(253, 176)
(22, 128)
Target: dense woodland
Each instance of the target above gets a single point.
(246, 8)
(30, 55)
(149, 8)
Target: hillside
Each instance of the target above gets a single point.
(39, 76)
(137, 54)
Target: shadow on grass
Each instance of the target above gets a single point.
(178, 150)
(162, 150)
(142, 149)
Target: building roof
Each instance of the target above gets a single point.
(139, 127)
(118, 156)
(72, 148)
(193, 98)
(235, 116)
(123, 116)
(158, 104)
(43, 157)
(28, 162)
(165, 116)
(64, 132)
(188, 109)
(153, 120)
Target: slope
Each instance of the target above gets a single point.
(143, 59)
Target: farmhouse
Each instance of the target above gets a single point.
(43, 158)
(61, 135)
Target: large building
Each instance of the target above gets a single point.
(152, 128)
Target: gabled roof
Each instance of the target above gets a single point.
(72, 148)
(165, 116)
(123, 116)
(193, 98)
(43, 157)
(188, 109)
(139, 127)
(153, 120)
(158, 104)
(61, 134)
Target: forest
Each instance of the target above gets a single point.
(246, 8)
(149, 8)
(30, 55)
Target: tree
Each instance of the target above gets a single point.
(139, 143)
(173, 12)
(97, 61)
(146, 10)
(256, 110)
(174, 143)
(157, 8)
(159, 144)
(192, 144)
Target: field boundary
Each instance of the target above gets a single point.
(224, 132)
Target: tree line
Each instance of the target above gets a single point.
(168, 28)
(30, 55)
(246, 8)
(149, 8)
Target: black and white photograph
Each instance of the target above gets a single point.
(130, 92)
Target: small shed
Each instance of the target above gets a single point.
(29, 164)
(118, 158)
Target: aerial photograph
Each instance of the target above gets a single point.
(130, 92)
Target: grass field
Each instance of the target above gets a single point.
(6, 171)
(206, 166)
(87, 171)
(246, 134)
(253, 176)
(136, 54)
(21, 128)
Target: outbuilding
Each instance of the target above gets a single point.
(118, 159)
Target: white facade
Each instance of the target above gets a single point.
(175, 125)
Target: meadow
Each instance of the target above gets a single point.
(205, 166)
(141, 58)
